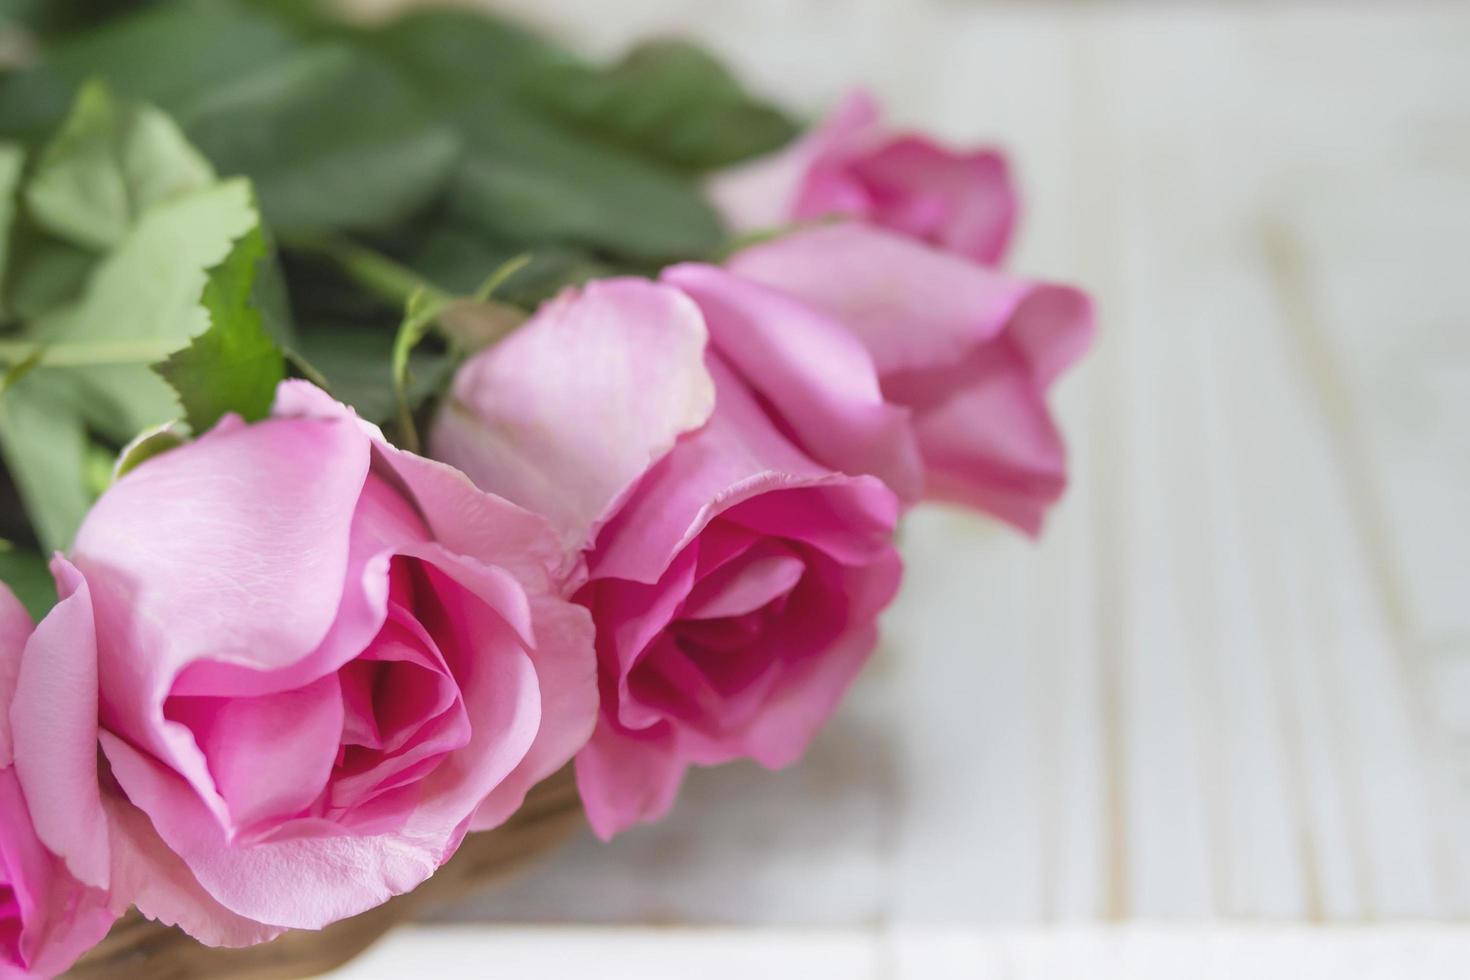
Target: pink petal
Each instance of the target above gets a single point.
(768, 193)
(819, 379)
(739, 454)
(459, 515)
(964, 203)
(15, 629)
(626, 778)
(565, 414)
(232, 550)
(54, 726)
(744, 586)
(250, 742)
(146, 873)
(59, 918)
(915, 307)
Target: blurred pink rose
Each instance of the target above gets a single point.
(969, 351)
(849, 165)
(47, 918)
(318, 659)
(734, 574)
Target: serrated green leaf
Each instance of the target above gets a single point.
(234, 365)
(141, 304)
(26, 573)
(112, 160)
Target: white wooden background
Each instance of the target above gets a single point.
(1232, 685)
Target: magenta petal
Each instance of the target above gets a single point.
(964, 203)
(518, 422)
(744, 586)
(626, 778)
(737, 455)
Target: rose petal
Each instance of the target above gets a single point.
(627, 778)
(518, 422)
(818, 377)
(54, 726)
(15, 629)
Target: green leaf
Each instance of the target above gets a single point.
(44, 444)
(111, 161)
(668, 100)
(528, 178)
(81, 369)
(235, 365)
(167, 54)
(141, 304)
(12, 161)
(26, 573)
(525, 179)
(331, 138)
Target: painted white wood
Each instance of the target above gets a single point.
(1233, 681)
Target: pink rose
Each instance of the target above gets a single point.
(969, 351)
(317, 660)
(733, 572)
(851, 166)
(47, 918)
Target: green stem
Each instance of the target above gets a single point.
(385, 278)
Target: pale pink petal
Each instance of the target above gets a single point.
(459, 515)
(819, 378)
(518, 420)
(54, 726)
(233, 550)
(146, 873)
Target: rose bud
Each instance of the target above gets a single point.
(851, 166)
(318, 661)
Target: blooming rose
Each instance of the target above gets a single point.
(850, 165)
(733, 571)
(317, 661)
(47, 918)
(969, 351)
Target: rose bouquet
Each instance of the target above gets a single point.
(398, 417)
